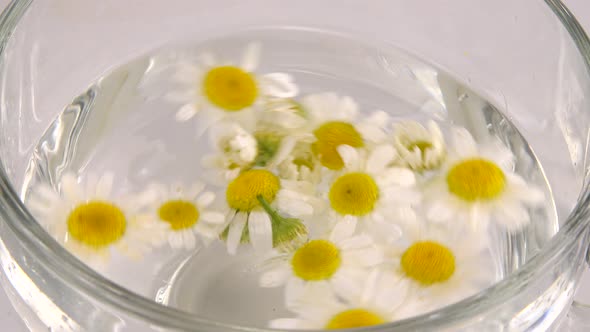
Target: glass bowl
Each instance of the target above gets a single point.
(528, 58)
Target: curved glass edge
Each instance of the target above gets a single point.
(87, 281)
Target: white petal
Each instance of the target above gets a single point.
(275, 277)
(293, 290)
(347, 283)
(349, 156)
(70, 187)
(293, 206)
(370, 288)
(287, 145)
(251, 57)
(380, 158)
(175, 240)
(235, 232)
(385, 230)
(348, 107)
(279, 85)
(186, 112)
(439, 212)
(356, 242)
(188, 240)
(371, 132)
(343, 229)
(206, 119)
(513, 216)
(205, 199)
(104, 185)
(213, 217)
(398, 175)
(479, 218)
(260, 229)
(366, 257)
(463, 142)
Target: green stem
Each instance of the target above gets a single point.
(284, 230)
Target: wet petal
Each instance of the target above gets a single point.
(234, 235)
(343, 229)
(186, 112)
(251, 57)
(349, 156)
(205, 199)
(260, 231)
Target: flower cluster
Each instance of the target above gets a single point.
(362, 219)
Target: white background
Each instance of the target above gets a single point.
(10, 321)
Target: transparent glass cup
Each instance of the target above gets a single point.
(530, 59)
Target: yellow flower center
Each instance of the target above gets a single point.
(96, 223)
(428, 262)
(354, 318)
(316, 260)
(230, 88)
(476, 179)
(243, 191)
(179, 214)
(354, 194)
(329, 136)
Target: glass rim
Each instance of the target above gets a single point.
(85, 280)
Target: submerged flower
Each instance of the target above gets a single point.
(186, 211)
(419, 148)
(338, 262)
(88, 221)
(227, 91)
(256, 198)
(333, 121)
(370, 191)
(478, 184)
(382, 299)
(237, 149)
(300, 165)
(443, 265)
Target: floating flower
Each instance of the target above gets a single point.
(478, 183)
(419, 148)
(444, 265)
(333, 121)
(370, 191)
(382, 299)
(227, 91)
(256, 198)
(88, 221)
(339, 262)
(300, 165)
(187, 213)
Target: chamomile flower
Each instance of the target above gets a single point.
(444, 265)
(339, 262)
(256, 200)
(300, 165)
(419, 148)
(187, 213)
(370, 191)
(381, 300)
(235, 149)
(333, 121)
(226, 91)
(88, 221)
(478, 184)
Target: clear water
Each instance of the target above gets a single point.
(114, 127)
